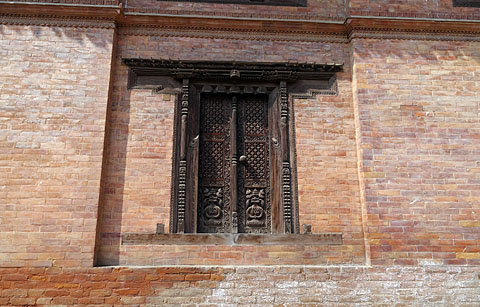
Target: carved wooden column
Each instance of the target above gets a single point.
(234, 159)
(182, 169)
(286, 170)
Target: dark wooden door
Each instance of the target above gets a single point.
(234, 164)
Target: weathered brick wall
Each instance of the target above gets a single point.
(75, 2)
(264, 286)
(412, 8)
(136, 182)
(325, 9)
(334, 10)
(53, 99)
(328, 183)
(315, 10)
(418, 116)
(407, 111)
(137, 178)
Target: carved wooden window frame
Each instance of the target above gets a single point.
(466, 3)
(287, 80)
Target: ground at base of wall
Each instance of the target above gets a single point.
(262, 286)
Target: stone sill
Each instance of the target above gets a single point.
(231, 239)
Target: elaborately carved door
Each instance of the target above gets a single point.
(234, 164)
(247, 129)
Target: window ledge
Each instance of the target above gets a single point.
(231, 239)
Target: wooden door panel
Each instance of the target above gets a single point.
(254, 180)
(215, 170)
(275, 162)
(214, 164)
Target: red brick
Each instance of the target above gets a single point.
(195, 277)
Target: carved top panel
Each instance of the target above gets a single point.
(210, 70)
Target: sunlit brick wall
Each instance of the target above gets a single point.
(137, 180)
(418, 111)
(53, 100)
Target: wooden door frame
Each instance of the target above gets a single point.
(235, 216)
(184, 78)
(277, 177)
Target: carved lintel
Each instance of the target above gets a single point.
(209, 70)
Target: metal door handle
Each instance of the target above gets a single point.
(243, 159)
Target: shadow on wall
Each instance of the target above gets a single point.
(406, 52)
(113, 177)
(82, 36)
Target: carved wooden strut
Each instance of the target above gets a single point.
(182, 171)
(234, 159)
(286, 172)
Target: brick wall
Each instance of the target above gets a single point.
(327, 168)
(393, 157)
(327, 9)
(137, 178)
(412, 8)
(333, 10)
(136, 182)
(263, 286)
(419, 136)
(53, 99)
(315, 10)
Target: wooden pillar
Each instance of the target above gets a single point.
(234, 159)
(182, 169)
(286, 169)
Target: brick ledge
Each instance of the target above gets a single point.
(231, 239)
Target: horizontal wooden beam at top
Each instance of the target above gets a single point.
(224, 68)
(17, 9)
(59, 10)
(231, 239)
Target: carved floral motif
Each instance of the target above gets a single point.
(212, 203)
(255, 207)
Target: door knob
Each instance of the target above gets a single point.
(243, 159)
